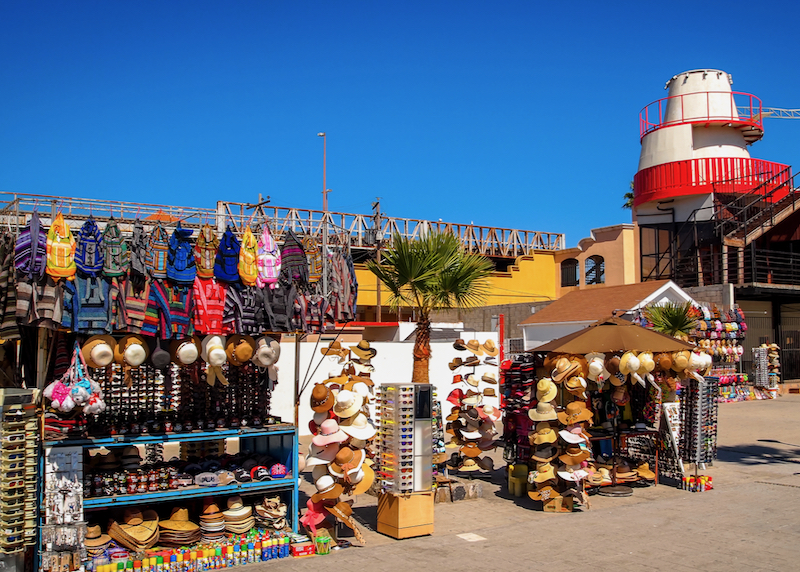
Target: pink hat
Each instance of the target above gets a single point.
(329, 432)
(489, 412)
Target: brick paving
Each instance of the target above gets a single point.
(751, 521)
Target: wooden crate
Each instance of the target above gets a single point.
(405, 516)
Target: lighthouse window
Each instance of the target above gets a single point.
(569, 272)
(595, 270)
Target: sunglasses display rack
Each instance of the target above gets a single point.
(437, 429)
(19, 440)
(699, 409)
(396, 445)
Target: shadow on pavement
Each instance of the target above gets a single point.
(758, 454)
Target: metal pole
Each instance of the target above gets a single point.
(324, 214)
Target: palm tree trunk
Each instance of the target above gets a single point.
(422, 352)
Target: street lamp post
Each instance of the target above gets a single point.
(324, 215)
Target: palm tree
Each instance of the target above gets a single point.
(628, 204)
(430, 274)
(673, 318)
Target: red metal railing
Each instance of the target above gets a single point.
(720, 107)
(708, 175)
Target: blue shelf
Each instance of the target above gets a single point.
(194, 491)
(120, 440)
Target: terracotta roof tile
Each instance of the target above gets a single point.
(594, 303)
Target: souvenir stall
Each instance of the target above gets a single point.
(591, 421)
(155, 349)
(340, 457)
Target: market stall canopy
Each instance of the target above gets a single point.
(613, 335)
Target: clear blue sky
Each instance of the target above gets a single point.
(513, 114)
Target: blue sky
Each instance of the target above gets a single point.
(512, 114)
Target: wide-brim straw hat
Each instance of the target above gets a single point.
(179, 521)
(358, 426)
(138, 531)
(98, 351)
(364, 484)
(348, 403)
(474, 346)
(347, 461)
(132, 350)
(363, 350)
(544, 412)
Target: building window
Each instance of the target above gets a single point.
(595, 270)
(656, 252)
(569, 273)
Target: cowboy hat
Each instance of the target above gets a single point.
(576, 386)
(213, 350)
(95, 538)
(460, 345)
(185, 351)
(179, 521)
(455, 364)
(131, 350)
(363, 350)
(489, 348)
(573, 367)
(239, 349)
(474, 346)
(489, 377)
(98, 351)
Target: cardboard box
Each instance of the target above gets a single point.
(301, 549)
(405, 516)
(558, 504)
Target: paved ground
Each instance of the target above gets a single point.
(751, 521)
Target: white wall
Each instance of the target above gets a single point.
(393, 363)
(534, 335)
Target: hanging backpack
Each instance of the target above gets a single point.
(205, 252)
(226, 264)
(314, 255)
(157, 250)
(60, 250)
(116, 257)
(248, 271)
(30, 252)
(268, 259)
(138, 250)
(181, 267)
(89, 250)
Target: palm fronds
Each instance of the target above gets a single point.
(673, 318)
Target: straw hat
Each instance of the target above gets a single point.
(131, 350)
(266, 352)
(664, 361)
(544, 412)
(329, 432)
(489, 412)
(138, 530)
(597, 367)
(544, 493)
(363, 350)
(347, 462)
(318, 456)
(239, 349)
(489, 377)
(566, 370)
(185, 351)
(363, 483)
(321, 399)
(358, 426)
(469, 465)
(95, 537)
(544, 472)
(574, 455)
(472, 380)
(544, 434)
(680, 360)
(629, 363)
(334, 349)
(179, 521)
(576, 386)
(575, 412)
(327, 488)
(347, 404)
(98, 351)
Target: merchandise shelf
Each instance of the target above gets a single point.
(193, 491)
(143, 439)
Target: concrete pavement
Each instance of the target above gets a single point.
(750, 521)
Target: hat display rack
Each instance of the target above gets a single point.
(340, 455)
(471, 423)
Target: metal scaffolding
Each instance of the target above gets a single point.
(360, 231)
